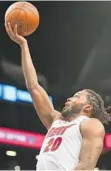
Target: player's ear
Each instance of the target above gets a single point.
(88, 108)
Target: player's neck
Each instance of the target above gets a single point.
(75, 116)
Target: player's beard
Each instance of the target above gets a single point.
(70, 111)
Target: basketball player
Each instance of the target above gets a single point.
(75, 136)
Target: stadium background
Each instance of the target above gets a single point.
(71, 50)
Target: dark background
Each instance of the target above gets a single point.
(71, 50)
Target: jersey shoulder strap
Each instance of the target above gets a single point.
(79, 120)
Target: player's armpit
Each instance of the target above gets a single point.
(43, 105)
(92, 144)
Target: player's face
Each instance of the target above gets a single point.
(75, 104)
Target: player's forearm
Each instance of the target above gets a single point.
(28, 67)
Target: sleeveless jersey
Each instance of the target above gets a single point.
(61, 146)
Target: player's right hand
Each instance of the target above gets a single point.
(14, 35)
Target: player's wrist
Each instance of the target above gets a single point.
(23, 44)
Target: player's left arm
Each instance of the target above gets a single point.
(93, 133)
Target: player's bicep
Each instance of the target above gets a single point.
(91, 150)
(43, 106)
(92, 143)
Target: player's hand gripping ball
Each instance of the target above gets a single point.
(24, 15)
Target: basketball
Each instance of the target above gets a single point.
(25, 15)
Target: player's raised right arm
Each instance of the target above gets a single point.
(40, 98)
(42, 103)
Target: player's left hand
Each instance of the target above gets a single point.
(13, 34)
